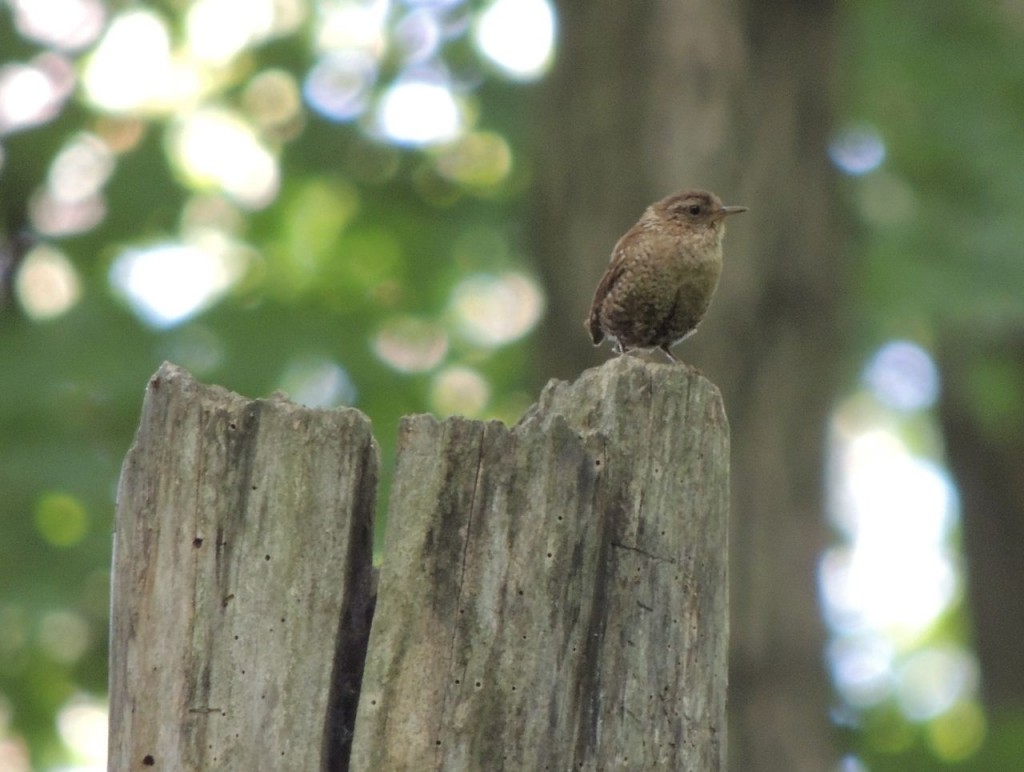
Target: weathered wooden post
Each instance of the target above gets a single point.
(242, 559)
(552, 596)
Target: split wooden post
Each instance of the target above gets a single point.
(552, 595)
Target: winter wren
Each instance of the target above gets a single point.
(662, 274)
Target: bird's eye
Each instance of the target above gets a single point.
(693, 209)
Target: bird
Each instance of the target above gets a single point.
(662, 274)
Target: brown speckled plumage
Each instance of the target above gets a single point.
(663, 274)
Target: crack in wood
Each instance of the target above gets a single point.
(645, 553)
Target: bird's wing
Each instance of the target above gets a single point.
(611, 275)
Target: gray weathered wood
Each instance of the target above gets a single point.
(554, 595)
(241, 582)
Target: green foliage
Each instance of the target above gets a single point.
(941, 83)
(360, 234)
(894, 746)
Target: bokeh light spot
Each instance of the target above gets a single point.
(418, 35)
(411, 344)
(34, 93)
(25, 97)
(81, 168)
(897, 574)
(205, 212)
(14, 756)
(132, 69)
(56, 217)
(82, 723)
(857, 150)
(518, 36)
(932, 680)
(491, 310)
(61, 519)
(64, 636)
(166, 284)
(958, 733)
(352, 24)
(459, 391)
(903, 376)
(317, 382)
(862, 668)
(272, 99)
(218, 30)
(850, 763)
(215, 147)
(47, 284)
(72, 200)
(419, 112)
(120, 134)
(68, 25)
(340, 84)
(195, 347)
(479, 159)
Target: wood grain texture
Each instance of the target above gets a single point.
(554, 595)
(241, 584)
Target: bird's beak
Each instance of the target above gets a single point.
(728, 210)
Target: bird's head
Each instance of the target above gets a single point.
(696, 208)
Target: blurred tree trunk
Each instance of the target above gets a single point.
(653, 96)
(983, 426)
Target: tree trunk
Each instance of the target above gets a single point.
(983, 426)
(655, 96)
(552, 595)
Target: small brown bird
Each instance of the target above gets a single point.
(662, 274)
